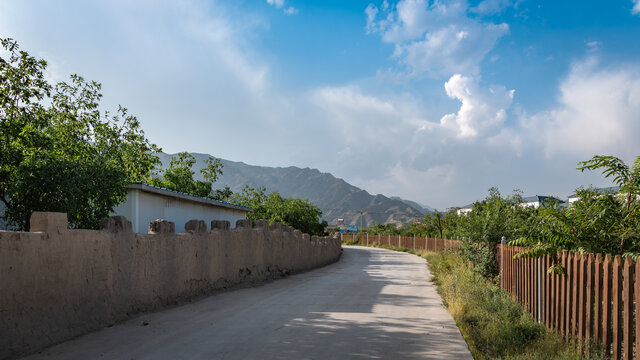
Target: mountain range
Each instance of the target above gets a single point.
(335, 197)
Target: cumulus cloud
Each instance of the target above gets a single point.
(437, 39)
(597, 113)
(276, 3)
(482, 109)
(289, 10)
(636, 7)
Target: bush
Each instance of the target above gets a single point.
(483, 257)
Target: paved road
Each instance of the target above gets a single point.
(372, 304)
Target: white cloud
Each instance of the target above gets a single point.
(482, 109)
(597, 113)
(492, 6)
(636, 7)
(289, 10)
(276, 3)
(437, 39)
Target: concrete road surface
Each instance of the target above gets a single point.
(372, 304)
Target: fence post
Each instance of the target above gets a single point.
(378, 239)
(398, 240)
(414, 242)
(367, 239)
(503, 241)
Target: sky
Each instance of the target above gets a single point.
(432, 101)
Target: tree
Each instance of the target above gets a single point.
(298, 213)
(434, 224)
(67, 156)
(597, 222)
(179, 175)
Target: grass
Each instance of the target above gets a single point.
(491, 322)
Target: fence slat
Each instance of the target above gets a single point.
(597, 299)
(627, 317)
(582, 279)
(575, 294)
(569, 298)
(547, 292)
(563, 295)
(589, 304)
(606, 304)
(557, 314)
(617, 308)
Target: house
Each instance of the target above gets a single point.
(612, 189)
(464, 210)
(538, 200)
(146, 203)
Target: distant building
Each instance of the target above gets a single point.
(146, 203)
(612, 189)
(464, 210)
(538, 200)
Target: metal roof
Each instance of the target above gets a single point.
(190, 197)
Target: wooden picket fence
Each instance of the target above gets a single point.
(593, 302)
(407, 242)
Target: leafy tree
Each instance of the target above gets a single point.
(67, 156)
(179, 176)
(384, 229)
(434, 224)
(298, 213)
(597, 222)
(223, 194)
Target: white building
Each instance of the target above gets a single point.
(146, 203)
(538, 200)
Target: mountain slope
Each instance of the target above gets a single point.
(335, 197)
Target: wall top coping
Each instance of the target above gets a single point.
(184, 196)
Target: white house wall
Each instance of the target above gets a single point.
(141, 208)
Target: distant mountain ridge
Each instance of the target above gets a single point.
(335, 197)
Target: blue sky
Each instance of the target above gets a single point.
(434, 101)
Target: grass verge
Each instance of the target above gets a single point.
(491, 322)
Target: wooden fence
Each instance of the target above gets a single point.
(407, 242)
(592, 302)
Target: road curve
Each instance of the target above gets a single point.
(372, 304)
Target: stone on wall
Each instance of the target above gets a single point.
(220, 225)
(262, 224)
(161, 226)
(48, 221)
(195, 226)
(243, 223)
(116, 224)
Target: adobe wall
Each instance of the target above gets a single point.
(56, 284)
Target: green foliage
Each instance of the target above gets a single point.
(493, 325)
(179, 176)
(483, 257)
(298, 213)
(494, 217)
(224, 194)
(67, 156)
(383, 229)
(597, 222)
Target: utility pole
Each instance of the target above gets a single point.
(361, 212)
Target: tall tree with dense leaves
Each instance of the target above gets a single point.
(67, 156)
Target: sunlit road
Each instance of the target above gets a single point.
(372, 304)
